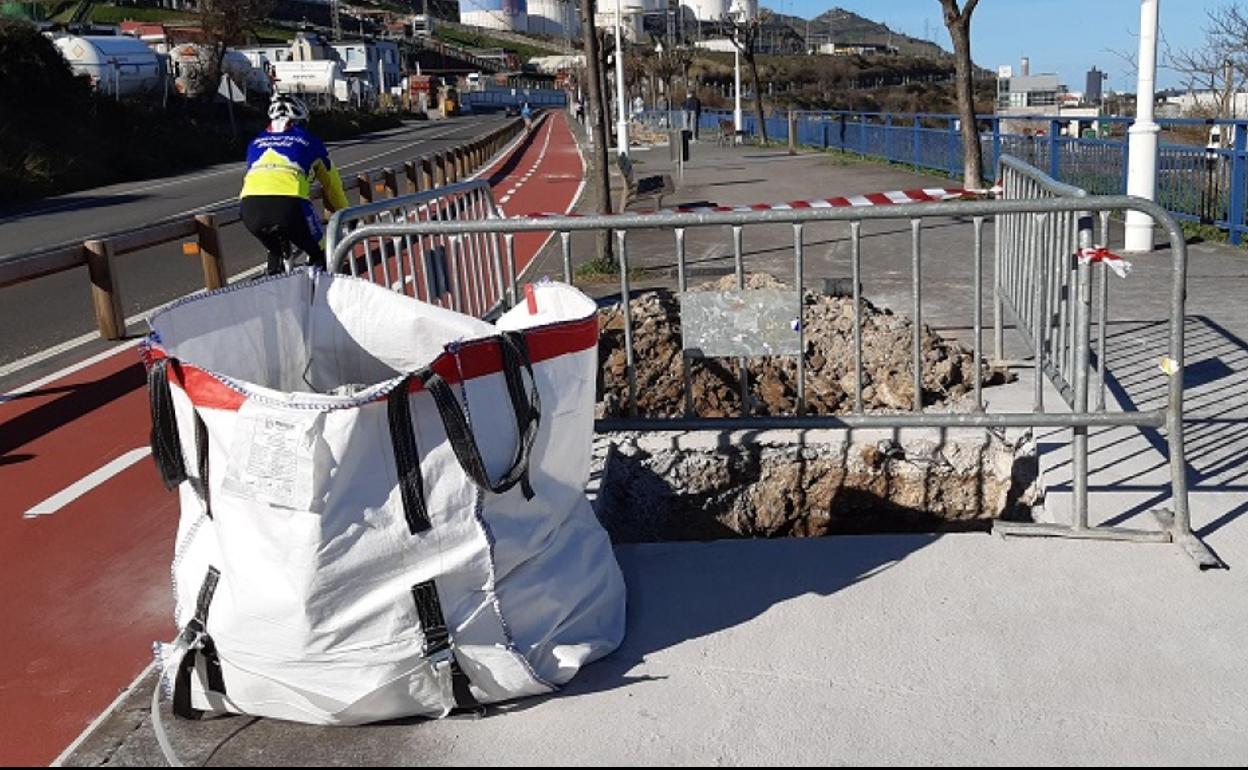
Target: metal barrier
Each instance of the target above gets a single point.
(1031, 236)
(1033, 277)
(535, 97)
(462, 271)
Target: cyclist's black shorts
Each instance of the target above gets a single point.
(272, 218)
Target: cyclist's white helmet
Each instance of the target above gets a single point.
(286, 107)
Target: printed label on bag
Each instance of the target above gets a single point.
(272, 457)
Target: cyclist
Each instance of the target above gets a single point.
(274, 202)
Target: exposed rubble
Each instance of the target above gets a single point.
(949, 369)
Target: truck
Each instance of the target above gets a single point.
(120, 66)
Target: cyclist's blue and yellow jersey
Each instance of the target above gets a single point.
(283, 163)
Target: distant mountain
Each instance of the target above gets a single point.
(841, 26)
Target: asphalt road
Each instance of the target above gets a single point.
(44, 312)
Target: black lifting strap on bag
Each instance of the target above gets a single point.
(195, 635)
(166, 445)
(201, 455)
(407, 458)
(526, 404)
(438, 640)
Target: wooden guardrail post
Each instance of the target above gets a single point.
(426, 172)
(366, 189)
(446, 169)
(413, 178)
(105, 294)
(392, 181)
(210, 256)
(459, 164)
(452, 168)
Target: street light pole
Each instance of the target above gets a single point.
(621, 125)
(1142, 151)
(736, 105)
(739, 13)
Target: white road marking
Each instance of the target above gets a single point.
(86, 483)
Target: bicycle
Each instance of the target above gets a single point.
(290, 255)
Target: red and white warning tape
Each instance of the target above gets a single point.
(895, 198)
(1102, 254)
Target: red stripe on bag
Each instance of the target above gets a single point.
(479, 358)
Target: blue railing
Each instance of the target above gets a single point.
(1196, 184)
(536, 97)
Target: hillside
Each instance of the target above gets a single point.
(841, 26)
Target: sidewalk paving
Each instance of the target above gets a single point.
(953, 649)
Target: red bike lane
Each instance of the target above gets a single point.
(86, 527)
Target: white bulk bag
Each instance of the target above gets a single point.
(383, 507)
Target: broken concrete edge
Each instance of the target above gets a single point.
(701, 485)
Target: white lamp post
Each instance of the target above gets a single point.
(660, 88)
(621, 123)
(740, 12)
(1142, 153)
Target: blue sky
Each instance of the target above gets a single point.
(1063, 36)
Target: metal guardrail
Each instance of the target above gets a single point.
(1023, 257)
(1208, 185)
(1033, 278)
(461, 272)
(425, 172)
(535, 97)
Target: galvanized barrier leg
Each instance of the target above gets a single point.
(565, 245)
(739, 262)
(682, 286)
(1001, 232)
(916, 227)
(625, 294)
(1082, 296)
(978, 277)
(1179, 522)
(799, 280)
(1102, 317)
(1040, 320)
(855, 230)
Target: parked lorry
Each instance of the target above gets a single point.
(120, 66)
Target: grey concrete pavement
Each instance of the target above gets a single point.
(948, 650)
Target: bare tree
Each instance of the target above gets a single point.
(1219, 66)
(666, 65)
(226, 23)
(746, 34)
(958, 21)
(600, 171)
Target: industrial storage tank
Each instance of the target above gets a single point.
(556, 18)
(120, 66)
(705, 10)
(511, 15)
(190, 64)
(247, 80)
(307, 77)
